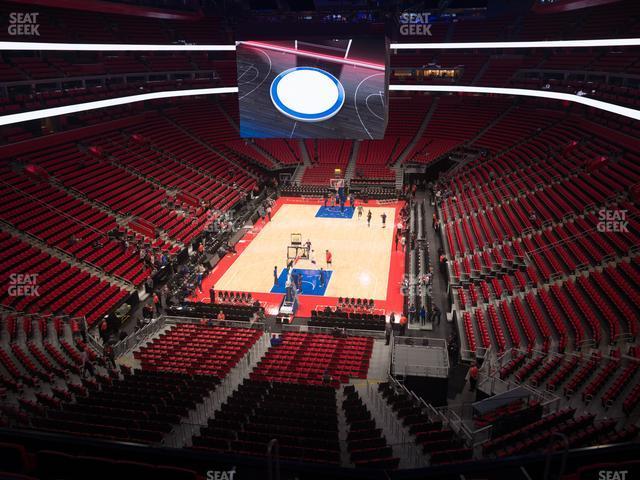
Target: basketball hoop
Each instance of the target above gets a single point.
(336, 183)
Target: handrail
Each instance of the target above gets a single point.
(328, 330)
(547, 463)
(219, 323)
(137, 338)
(273, 444)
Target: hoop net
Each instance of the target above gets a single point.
(336, 183)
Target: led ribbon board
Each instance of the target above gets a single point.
(590, 102)
(81, 107)
(111, 102)
(112, 47)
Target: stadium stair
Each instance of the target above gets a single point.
(265, 153)
(367, 444)
(343, 430)
(351, 166)
(402, 158)
(398, 435)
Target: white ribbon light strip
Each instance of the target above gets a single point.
(605, 42)
(114, 47)
(590, 102)
(94, 47)
(111, 102)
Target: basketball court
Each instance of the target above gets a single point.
(364, 264)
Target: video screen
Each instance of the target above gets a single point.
(313, 88)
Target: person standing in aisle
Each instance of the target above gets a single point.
(472, 375)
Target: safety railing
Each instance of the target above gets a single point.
(138, 337)
(148, 331)
(218, 323)
(330, 330)
(392, 427)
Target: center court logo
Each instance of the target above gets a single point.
(21, 23)
(23, 285)
(415, 24)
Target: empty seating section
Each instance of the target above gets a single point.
(460, 119)
(366, 444)
(438, 441)
(62, 464)
(427, 149)
(518, 123)
(55, 217)
(285, 151)
(70, 95)
(244, 149)
(190, 153)
(499, 70)
(374, 157)
(169, 158)
(304, 358)
(197, 349)
(406, 114)
(209, 161)
(127, 193)
(259, 411)
(580, 431)
(140, 407)
(236, 307)
(350, 320)
(611, 382)
(61, 287)
(209, 122)
(122, 171)
(87, 27)
(325, 156)
(540, 223)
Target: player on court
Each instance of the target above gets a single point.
(329, 258)
(359, 211)
(312, 256)
(384, 220)
(369, 218)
